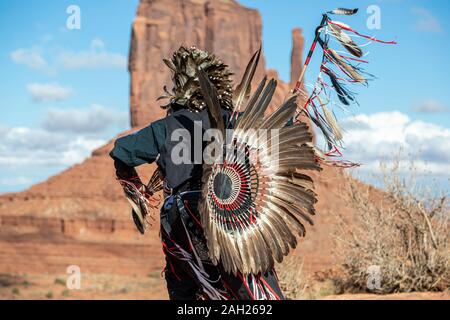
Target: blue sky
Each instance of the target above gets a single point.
(64, 92)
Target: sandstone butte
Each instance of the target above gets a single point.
(79, 217)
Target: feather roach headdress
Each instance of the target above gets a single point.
(186, 91)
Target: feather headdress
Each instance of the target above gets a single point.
(186, 90)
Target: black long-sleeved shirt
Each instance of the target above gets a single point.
(155, 142)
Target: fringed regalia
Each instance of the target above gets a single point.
(226, 222)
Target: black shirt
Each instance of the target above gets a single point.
(158, 140)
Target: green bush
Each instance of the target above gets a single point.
(60, 281)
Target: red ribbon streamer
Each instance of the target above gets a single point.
(345, 27)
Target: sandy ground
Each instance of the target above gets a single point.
(93, 286)
(396, 296)
(152, 286)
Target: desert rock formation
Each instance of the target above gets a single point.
(223, 27)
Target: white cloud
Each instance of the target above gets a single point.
(426, 21)
(15, 181)
(22, 146)
(96, 57)
(31, 57)
(430, 106)
(371, 138)
(19, 138)
(45, 92)
(79, 148)
(66, 137)
(50, 59)
(95, 119)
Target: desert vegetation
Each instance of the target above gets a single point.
(293, 281)
(398, 242)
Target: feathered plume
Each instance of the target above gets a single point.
(242, 91)
(143, 202)
(212, 101)
(346, 67)
(331, 120)
(343, 94)
(345, 40)
(342, 70)
(343, 11)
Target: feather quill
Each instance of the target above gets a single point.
(342, 93)
(242, 91)
(343, 11)
(345, 40)
(348, 69)
(212, 101)
(331, 120)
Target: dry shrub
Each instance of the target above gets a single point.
(406, 234)
(296, 284)
(292, 280)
